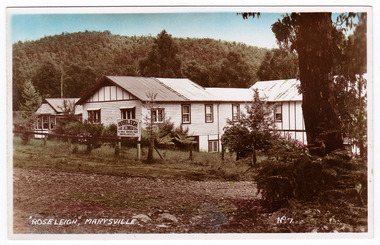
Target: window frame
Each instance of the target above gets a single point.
(278, 113)
(127, 112)
(52, 122)
(236, 117)
(38, 123)
(154, 112)
(185, 114)
(211, 114)
(214, 145)
(45, 122)
(94, 120)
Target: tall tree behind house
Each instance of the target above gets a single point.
(162, 60)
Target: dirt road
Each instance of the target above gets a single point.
(49, 201)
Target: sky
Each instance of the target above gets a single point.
(227, 26)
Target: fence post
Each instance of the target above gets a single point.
(139, 142)
(223, 151)
(118, 147)
(138, 150)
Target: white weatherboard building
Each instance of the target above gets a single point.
(51, 111)
(204, 111)
(287, 101)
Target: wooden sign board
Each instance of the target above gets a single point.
(128, 128)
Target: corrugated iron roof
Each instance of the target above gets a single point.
(279, 90)
(187, 88)
(142, 86)
(182, 89)
(45, 108)
(231, 94)
(57, 104)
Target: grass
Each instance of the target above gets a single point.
(176, 164)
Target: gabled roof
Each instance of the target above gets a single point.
(141, 86)
(58, 103)
(183, 89)
(170, 90)
(279, 90)
(56, 106)
(45, 109)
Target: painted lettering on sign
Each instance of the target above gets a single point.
(128, 128)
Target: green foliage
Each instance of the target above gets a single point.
(278, 64)
(351, 51)
(110, 131)
(252, 131)
(79, 58)
(352, 104)
(32, 100)
(350, 84)
(86, 129)
(47, 79)
(70, 128)
(234, 72)
(334, 178)
(162, 60)
(77, 79)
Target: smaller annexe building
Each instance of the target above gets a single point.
(48, 114)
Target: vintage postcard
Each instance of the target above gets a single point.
(182, 122)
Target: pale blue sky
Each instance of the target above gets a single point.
(222, 25)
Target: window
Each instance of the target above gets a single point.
(94, 116)
(235, 112)
(212, 146)
(38, 123)
(52, 122)
(278, 113)
(45, 122)
(186, 114)
(129, 113)
(158, 115)
(209, 114)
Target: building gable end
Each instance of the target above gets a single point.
(110, 92)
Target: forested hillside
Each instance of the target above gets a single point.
(75, 60)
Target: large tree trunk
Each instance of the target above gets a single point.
(315, 52)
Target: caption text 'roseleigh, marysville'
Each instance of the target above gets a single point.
(101, 221)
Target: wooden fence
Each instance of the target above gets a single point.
(90, 141)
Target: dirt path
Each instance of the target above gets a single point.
(49, 201)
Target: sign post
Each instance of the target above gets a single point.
(130, 128)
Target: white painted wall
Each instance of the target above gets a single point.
(110, 99)
(110, 110)
(292, 121)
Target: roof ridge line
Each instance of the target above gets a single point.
(171, 89)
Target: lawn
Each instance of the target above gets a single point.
(175, 164)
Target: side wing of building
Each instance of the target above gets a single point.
(287, 103)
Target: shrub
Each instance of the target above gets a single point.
(252, 131)
(110, 131)
(333, 179)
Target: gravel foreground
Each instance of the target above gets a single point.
(53, 202)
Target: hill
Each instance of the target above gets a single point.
(75, 60)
